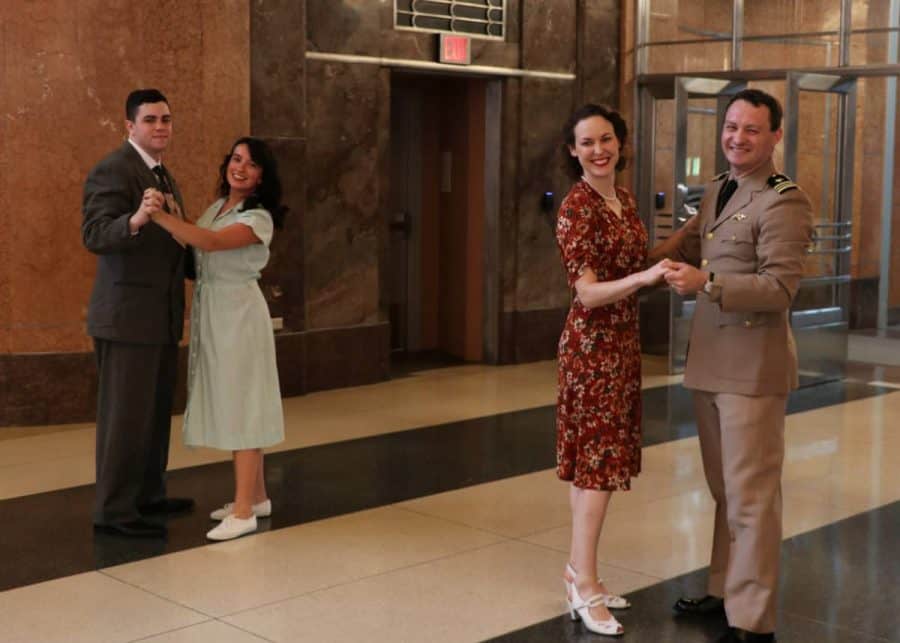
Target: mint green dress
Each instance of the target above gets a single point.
(234, 400)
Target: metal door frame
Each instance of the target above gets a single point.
(681, 89)
(822, 333)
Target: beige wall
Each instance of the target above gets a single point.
(66, 68)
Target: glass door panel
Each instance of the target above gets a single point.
(699, 113)
(820, 112)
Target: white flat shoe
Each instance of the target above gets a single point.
(611, 601)
(261, 510)
(581, 610)
(232, 527)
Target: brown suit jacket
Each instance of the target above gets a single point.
(741, 340)
(138, 294)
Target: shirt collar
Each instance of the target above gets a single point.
(149, 160)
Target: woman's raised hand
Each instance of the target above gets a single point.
(152, 202)
(656, 273)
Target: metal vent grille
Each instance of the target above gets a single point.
(475, 18)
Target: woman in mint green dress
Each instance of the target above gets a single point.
(234, 400)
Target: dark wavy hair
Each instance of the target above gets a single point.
(573, 167)
(268, 193)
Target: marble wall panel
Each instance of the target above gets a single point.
(277, 62)
(283, 279)
(366, 28)
(549, 35)
(68, 67)
(5, 241)
(599, 48)
(343, 216)
(349, 356)
(509, 192)
(541, 281)
(531, 335)
(347, 27)
(278, 115)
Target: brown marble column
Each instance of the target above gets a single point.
(65, 69)
(278, 116)
(535, 296)
(597, 35)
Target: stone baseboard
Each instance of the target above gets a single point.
(60, 388)
(530, 335)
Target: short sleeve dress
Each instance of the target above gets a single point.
(598, 416)
(234, 399)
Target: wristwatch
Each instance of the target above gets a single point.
(708, 286)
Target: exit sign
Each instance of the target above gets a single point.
(456, 50)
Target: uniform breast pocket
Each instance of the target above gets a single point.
(749, 320)
(737, 241)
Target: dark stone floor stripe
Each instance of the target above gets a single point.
(49, 535)
(838, 583)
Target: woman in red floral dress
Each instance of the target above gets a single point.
(598, 418)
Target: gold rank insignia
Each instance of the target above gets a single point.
(740, 216)
(781, 183)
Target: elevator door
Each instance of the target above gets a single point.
(405, 223)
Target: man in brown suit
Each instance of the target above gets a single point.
(135, 316)
(743, 256)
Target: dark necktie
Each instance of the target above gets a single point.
(164, 185)
(724, 194)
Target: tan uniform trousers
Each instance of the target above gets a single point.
(742, 445)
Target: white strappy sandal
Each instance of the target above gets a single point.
(611, 601)
(580, 609)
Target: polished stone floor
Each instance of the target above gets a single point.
(426, 509)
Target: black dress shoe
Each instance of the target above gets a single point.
(133, 529)
(168, 506)
(709, 604)
(737, 635)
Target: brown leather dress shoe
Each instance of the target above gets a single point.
(709, 604)
(168, 506)
(133, 529)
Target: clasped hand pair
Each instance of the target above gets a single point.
(151, 206)
(681, 277)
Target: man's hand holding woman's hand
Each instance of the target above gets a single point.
(151, 204)
(653, 275)
(684, 279)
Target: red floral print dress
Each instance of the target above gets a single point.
(598, 413)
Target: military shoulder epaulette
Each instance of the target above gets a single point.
(781, 183)
(720, 176)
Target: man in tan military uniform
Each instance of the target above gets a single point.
(743, 256)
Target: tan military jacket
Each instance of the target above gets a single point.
(741, 340)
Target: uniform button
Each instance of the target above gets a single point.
(748, 323)
(709, 235)
(704, 262)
